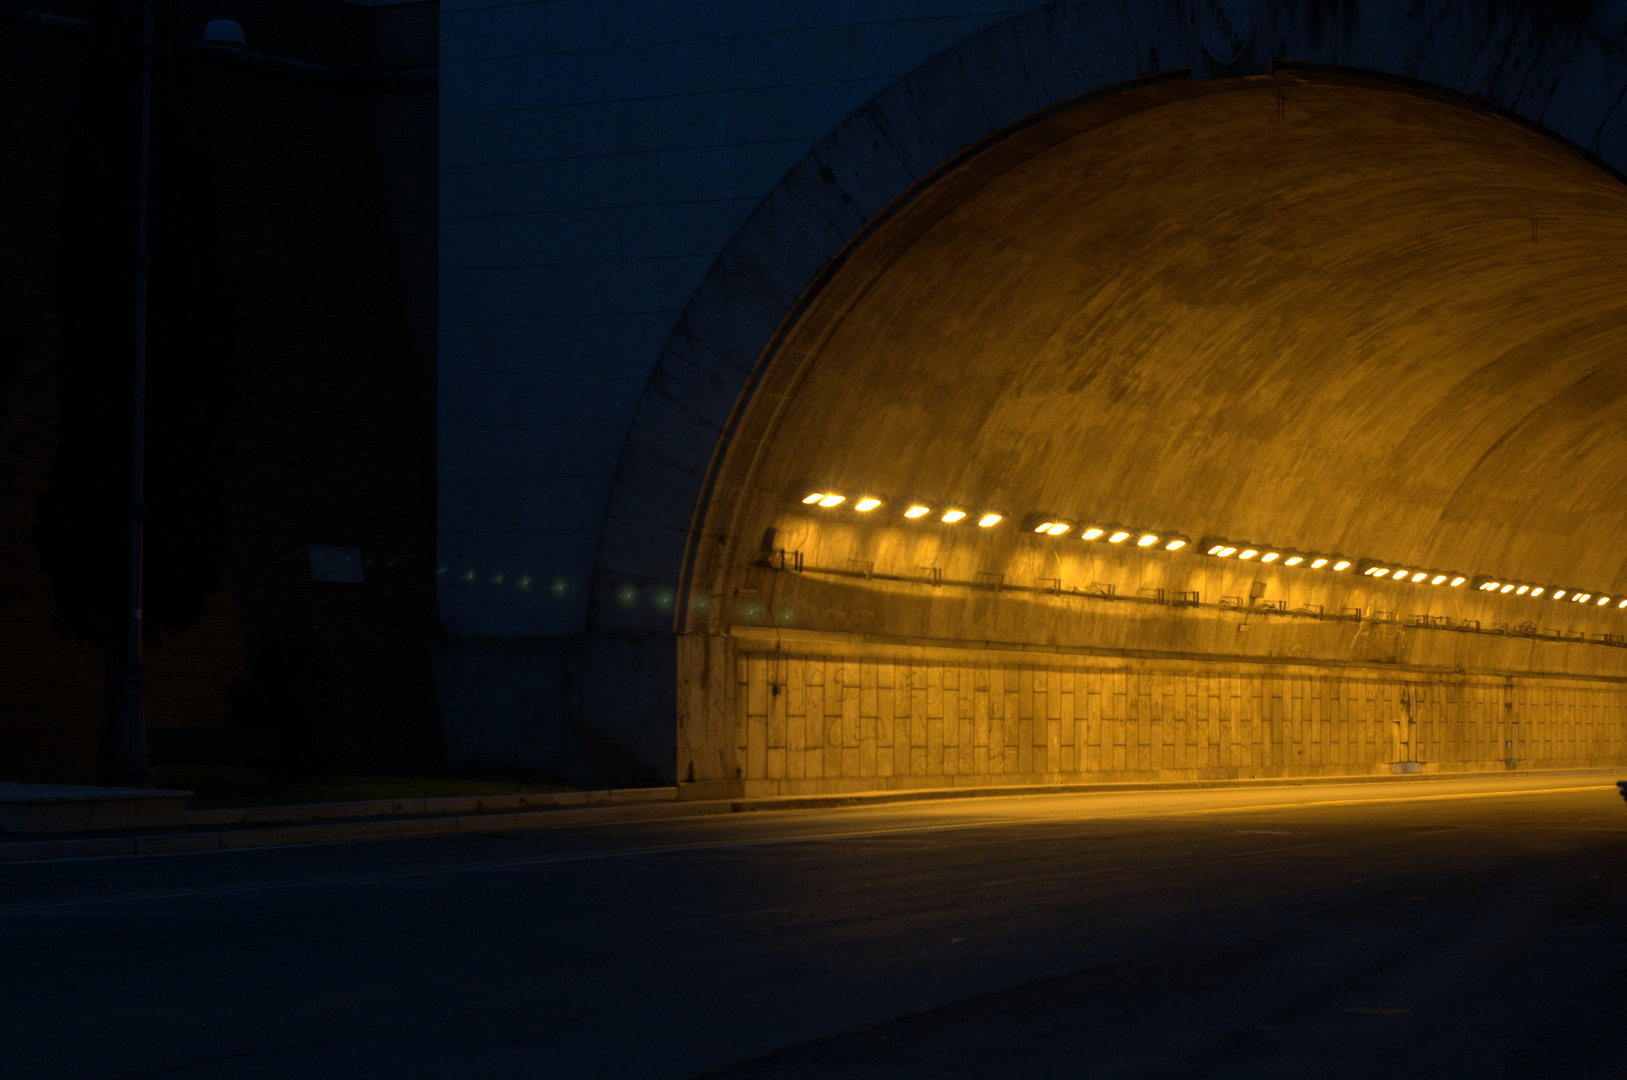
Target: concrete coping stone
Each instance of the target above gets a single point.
(62, 808)
(452, 804)
(14, 792)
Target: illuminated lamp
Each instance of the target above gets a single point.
(952, 516)
(1419, 576)
(1437, 579)
(1342, 564)
(1603, 600)
(1271, 556)
(917, 511)
(1621, 603)
(1506, 589)
(1481, 581)
(1247, 553)
(815, 497)
(1147, 540)
(1459, 580)
(833, 500)
(1227, 552)
(1522, 590)
(1092, 533)
(866, 504)
(1118, 536)
(1376, 571)
(1536, 592)
(1400, 575)
(1293, 560)
(1043, 523)
(1175, 543)
(1581, 598)
(1559, 594)
(994, 519)
(1319, 561)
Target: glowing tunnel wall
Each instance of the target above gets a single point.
(1334, 316)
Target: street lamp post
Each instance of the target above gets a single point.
(129, 766)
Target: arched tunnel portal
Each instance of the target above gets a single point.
(1303, 315)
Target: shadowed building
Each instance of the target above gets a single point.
(293, 204)
(1328, 293)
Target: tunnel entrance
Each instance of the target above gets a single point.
(1180, 435)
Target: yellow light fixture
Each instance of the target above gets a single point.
(1247, 553)
(1506, 589)
(1582, 598)
(1342, 564)
(1119, 536)
(1522, 590)
(1293, 560)
(833, 500)
(917, 511)
(1147, 540)
(1621, 603)
(1399, 575)
(1175, 544)
(1044, 526)
(1559, 594)
(1271, 556)
(1437, 579)
(1217, 549)
(1056, 529)
(1603, 600)
(1226, 552)
(1536, 592)
(994, 519)
(952, 516)
(1459, 580)
(1091, 533)
(866, 504)
(815, 497)
(1419, 576)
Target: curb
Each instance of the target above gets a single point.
(342, 831)
(402, 818)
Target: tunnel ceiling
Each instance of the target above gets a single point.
(1342, 317)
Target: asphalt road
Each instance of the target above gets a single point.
(1436, 929)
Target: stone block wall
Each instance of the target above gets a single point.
(850, 717)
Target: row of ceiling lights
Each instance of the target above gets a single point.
(1052, 525)
(1047, 524)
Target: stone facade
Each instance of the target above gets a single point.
(851, 716)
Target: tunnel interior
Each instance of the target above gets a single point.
(1313, 318)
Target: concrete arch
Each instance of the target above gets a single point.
(866, 244)
(1550, 71)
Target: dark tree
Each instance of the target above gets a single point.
(191, 362)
